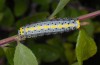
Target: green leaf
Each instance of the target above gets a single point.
(57, 43)
(45, 52)
(54, 5)
(2, 2)
(69, 53)
(72, 37)
(9, 52)
(89, 28)
(8, 18)
(60, 6)
(85, 47)
(1, 16)
(97, 26)
(21, 7)
(73, 12)
(62, 13)
(42, 2)
(24, 56)
(1, 52)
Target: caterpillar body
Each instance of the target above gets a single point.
(49, 27)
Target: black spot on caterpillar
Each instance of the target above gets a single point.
(49, 27)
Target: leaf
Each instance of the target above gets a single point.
(69, 53)
(51, 54)
(45, 52)
(89, 28)
(72, 37)
(57, 43)
(21, 7)
(85, 47)
(60, 6)
(97, 26)
(24, 56)
(54, 5)
(62, 13)
(2, 2)
(9, 52)
(1, 16)
(73, 12)
(8, 18)
(42, 2)
(1, 52)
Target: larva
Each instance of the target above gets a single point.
(49, 27)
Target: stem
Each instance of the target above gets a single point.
(8, 40)
(90, 15)
(83, 17)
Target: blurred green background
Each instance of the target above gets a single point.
(56, 49)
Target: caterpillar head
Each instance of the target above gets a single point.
(21, 31)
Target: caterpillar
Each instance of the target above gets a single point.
(49, 27)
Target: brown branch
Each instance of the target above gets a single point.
(90, 15)
(83, 17)
(8, 40)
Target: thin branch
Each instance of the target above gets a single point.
(83, 17)
(8, 40)
(90, 15)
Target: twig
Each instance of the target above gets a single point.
(8, 40)
(90, 15)
(83, 17)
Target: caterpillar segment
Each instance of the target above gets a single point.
(49, 27)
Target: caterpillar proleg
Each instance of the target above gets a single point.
(49, 27)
